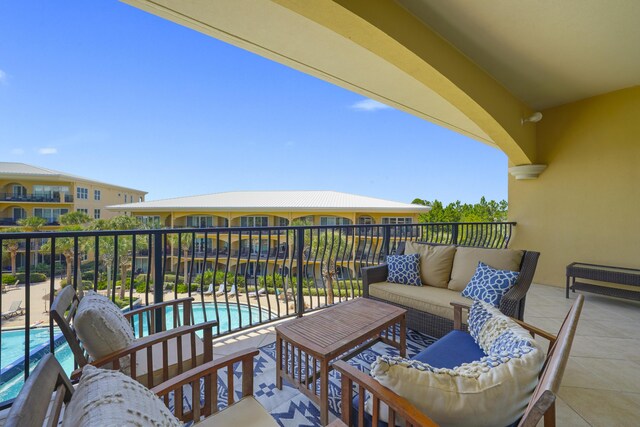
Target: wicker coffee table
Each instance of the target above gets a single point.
(305, 347)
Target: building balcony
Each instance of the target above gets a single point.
(36, 198)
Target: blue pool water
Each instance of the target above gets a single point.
(13, 343)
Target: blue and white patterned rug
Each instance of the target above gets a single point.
(288, 406)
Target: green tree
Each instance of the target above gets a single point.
(183, 243)
(66, 246)
(107, 247)
(75, 218)
(12, 246)
(33, 224)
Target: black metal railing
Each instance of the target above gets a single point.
(281, 272)
(37, 197)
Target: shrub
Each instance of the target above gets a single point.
(172, 278)
(33, 277)
(182, 288)
(86, 284)
(220, 278)
(8, 279)
(87, 275)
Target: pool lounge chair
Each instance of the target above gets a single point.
(209, 290)
(14, 310)
(15, 286)
(231, 293)
(260, 292)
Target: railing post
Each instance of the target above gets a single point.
(299, 262)
(158, 280)
(386, 240)
(454, 233)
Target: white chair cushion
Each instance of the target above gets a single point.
(110, 398)
(101, 326)
(493, 391)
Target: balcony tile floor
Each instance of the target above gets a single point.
(601, 385)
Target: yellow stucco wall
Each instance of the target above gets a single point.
(586, 206)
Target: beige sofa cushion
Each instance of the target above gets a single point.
(424, 298)
(466, 261)
(109, 398)
(435, 262)
(246, 413)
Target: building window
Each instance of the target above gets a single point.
(334, 220)
(50, 215)
(84, 211)
(199, 221)
(140, 199)
(283, 222)
(254, 221)
(96, 194)
(397, 220)
(96, 213)
(150, 220)
(19, 213)
(82, 193)
(365, 220)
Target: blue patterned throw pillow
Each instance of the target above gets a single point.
(404, 269)
(490, 285)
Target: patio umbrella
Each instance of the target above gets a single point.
(46, 298)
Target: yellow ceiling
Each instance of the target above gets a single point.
(546, 52)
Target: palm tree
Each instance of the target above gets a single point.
(12, 246)
(33, 224)
(125, 246)
(185, 240)
(66, 247)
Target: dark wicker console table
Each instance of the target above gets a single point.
(603, 273)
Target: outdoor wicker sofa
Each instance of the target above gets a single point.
(437, 325)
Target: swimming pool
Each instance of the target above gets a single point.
(13, 344)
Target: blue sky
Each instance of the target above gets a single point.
(103, 90)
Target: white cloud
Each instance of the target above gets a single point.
(369, 105)
(3, 77)
(17, 151)
(47, 150)
(290, 144)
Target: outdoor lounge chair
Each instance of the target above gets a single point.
(209, 290)
(48, 390)
(255, 294)
(541, 404)
(231, 293)
(15, 286)
(14, 310)
(169, 352)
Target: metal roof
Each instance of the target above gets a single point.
(273, 201)
(14, 169)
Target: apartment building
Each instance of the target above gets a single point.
(258, 252)
(28, 190)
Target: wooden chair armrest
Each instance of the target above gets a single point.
(150, 309)
(397, 404)
(457, 314)
(151, 340)
(206, 375)
(205, 369)
(534, 330)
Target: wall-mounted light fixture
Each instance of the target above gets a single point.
(534, 118)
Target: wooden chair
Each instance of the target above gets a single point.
(168, 352)
(245, 412)
(47, 386)
(541, 405)
(48, 389)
